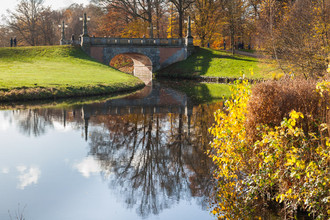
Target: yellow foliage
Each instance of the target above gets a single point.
(228, 146)
(286, 163)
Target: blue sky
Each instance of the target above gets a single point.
(55, 4)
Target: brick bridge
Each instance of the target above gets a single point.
(148, 54)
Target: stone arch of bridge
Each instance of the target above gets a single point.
(142, 66)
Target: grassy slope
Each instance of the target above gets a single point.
(213, 63)
(57, 71)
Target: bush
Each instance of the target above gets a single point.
(262, 158)
(271, 101)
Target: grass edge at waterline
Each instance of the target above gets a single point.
(51, 72)
(29, 94)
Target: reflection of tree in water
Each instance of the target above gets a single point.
(33, 121)
(133, 153)
(153, 159)
(201, 166)
(37, 122)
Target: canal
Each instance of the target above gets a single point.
(141, 156)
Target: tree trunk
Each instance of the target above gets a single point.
(232, 38)
(180, 24)
(151, 32)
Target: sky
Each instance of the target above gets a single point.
(55, 4)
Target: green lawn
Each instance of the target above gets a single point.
(61, 70)
(213, 63)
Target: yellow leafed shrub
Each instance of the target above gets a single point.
(287, 161)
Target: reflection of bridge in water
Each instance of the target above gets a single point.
(150, 100)
(140, 145)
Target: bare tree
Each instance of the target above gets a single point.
(46, 27)
(25, 18)
(5, 35)
(71, 16)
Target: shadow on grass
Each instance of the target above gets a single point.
(78, 53)
(198, 64)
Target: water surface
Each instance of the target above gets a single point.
(139, 157)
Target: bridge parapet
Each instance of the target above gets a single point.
(147, 54)
(107, 41)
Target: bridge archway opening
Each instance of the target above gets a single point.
(136, 64)
(122, 63)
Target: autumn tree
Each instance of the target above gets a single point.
(136, 9)
(112, 23)
(34, 24)
(304, 39)
(254, 8)
(181, 7)
(297, 32)
(160, 10)
(206, 16)
(173, 22)
(46, 27)
(25, 19)
(252, 18)
(71, 16)
(234, 11)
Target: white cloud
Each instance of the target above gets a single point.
(4, 125)
(59, 126)
(27, 176)
(21, 169)
(88, 166)
(5, 170)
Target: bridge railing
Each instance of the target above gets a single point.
(137, 41)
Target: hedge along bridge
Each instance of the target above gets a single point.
(148, 54)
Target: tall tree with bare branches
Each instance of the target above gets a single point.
(25, 19)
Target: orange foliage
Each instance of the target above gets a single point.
(112, 24)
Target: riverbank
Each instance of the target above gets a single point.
(51, 72)
(220, 66)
